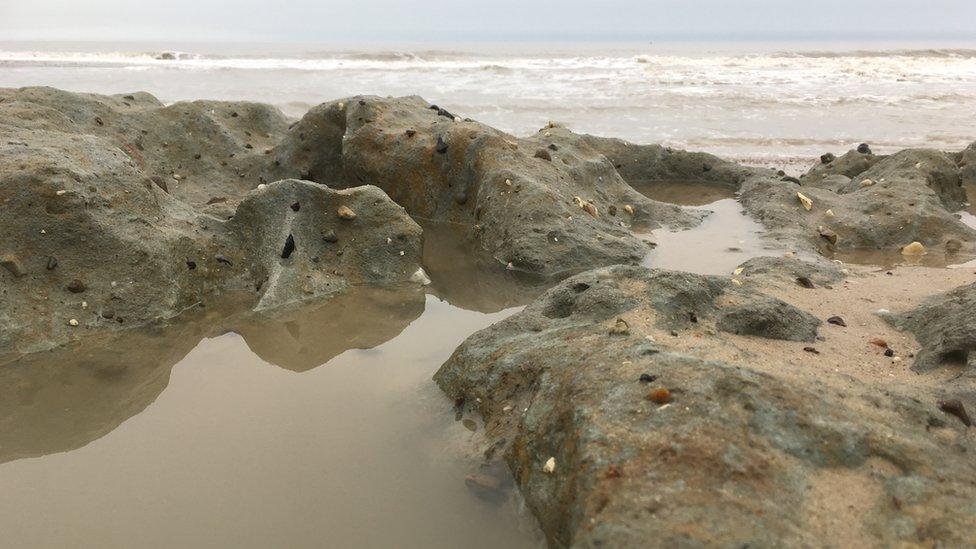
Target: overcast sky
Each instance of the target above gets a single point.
(484, 20)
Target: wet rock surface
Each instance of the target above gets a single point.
(631, 440)
(547, 216)
(945, 327)
(94, 240)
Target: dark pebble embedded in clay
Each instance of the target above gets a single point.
(441, 145)
(647, 378)
(956, 408)
(76, 286)
(52, 263)
(289, 247)
(837, 321)
(805, 282)
(330, 236)
(296, 206)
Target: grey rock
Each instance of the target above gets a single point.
(347, 143)
(736, 453)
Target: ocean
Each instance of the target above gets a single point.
(777, 104)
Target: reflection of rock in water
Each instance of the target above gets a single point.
(465, 276)
(61, 400)
(304, 338)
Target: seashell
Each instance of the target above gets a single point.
(550, 466)
(346, 213)
(805, 200)
(915, 248)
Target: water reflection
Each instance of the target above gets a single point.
(465, 276)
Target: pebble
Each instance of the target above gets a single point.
(837, 321)
(296, 206)
(76, 286)
(647, 378)
(13, 265)
(591, 209)
(805, 282)
(867, 183)
(330, 236)
(441, 146)
(289, 247)
(52, 263)
(629, 209)
(827, 234)
(61, 192)
(620, 328)
(659, 396)
(889, 352)
(262, 186)
(543, 154)
(827, 158)
(915, 248)
(829, 213)
(805, 201)
(956, 408)
(863, 148)
(550, 466)
(420, 276)
(73, 322)
(812, 350)
(346, 213)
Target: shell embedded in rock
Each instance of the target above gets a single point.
(590, 209)
(805, 200)
(345, 212)
(550, 466)
(915, 248)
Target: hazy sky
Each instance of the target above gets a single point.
(485, 20)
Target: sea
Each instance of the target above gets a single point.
(778, 104)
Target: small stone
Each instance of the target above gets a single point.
(553, 147)
(629, 209)
(296, 206)
(827, 158)
(177, 176)
(52, 263)
(543, 154)
(863, 148)
(620, 327)
(420, 276)
(659, 396)
(956, 408)
(191, 265)
(289, 247)
(829, 213)
(345, 212)
(827, 234)
(647, 378)
(221, 259)
(73, 322)
(13, 265)
(889, 352)
(160, 182)
(330, 236)
(915, 248)
(837, 321)
(550, 466)
(811, 350)
(441, 146)
(790, 179)
(76, 286)
(867, 183)
(589, 208)
(805, 201)
(108, 314)
(805, 282)
(410, 133)
(612, 210)
(262, 187)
